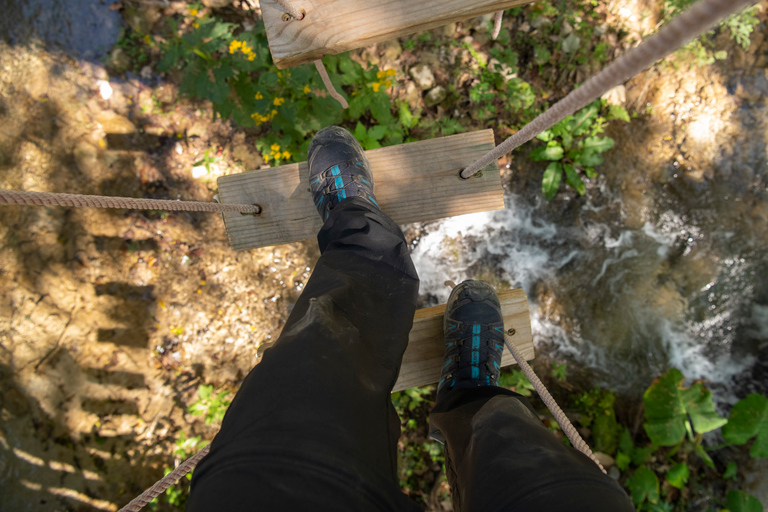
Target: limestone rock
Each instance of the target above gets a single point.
(501, 68)
(604, 459)
(390, 50)
(435, 96)
(422, 76)
(115, 123)
(753, 88)
(616, 96)
(119, 60)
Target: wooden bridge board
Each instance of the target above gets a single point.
(336, 26)
(414, 182)
(423, 359)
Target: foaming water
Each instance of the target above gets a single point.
(625, 303)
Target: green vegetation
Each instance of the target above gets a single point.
(700, 51)
(573, 147)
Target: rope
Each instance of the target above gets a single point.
(497, 19)
(79, 200)
(684, 27)
(290, 10)
(551, 404)
(164, 483)
(328, 85)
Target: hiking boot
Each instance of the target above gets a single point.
(338, 170)
(474, 338)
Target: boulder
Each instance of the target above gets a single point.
(423, 77)
(435, 96)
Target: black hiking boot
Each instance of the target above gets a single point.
(474, 338)
(338, 170)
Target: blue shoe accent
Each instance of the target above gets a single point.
(474, 334)
(338, 170)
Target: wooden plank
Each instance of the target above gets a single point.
(414, 182)
(423, 359)
(336, 26)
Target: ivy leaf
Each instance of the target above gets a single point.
(597, 144)
(731, 470)
(551, 181)
(573, 179)
(625, 441)
(641, 455)
(643, 485)
(739, 501)
(547, 153)
(749, 418)
(678, 475)
(668, 405)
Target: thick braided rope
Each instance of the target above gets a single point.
(497, 19)
(290, 10)
(164, 483)
(78, 200)
(555, 409)
(328, 85)
(684, 27)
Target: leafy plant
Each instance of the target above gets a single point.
(678, 475)
(739, 501)
(749, 419)
(598, 414)
(517, 381)
(559, 371)
(572, 147)
(213, 407)
(643, 486)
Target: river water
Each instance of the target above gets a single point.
(662, 263)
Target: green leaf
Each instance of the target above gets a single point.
(643, 485)
(551, 180)
(749, 418)
(678, 475)
(731, 470)
(622, 461)
(584, 118)
(360, 132)
(740, 501)
(701, 452)
(547, 153)
(641, 455)
(586, 158)
(625, 442)
(618, 112)
(668, 405)
(546, 135)
(573, 179)
(204, 392)
(597, 144)
(377, 132)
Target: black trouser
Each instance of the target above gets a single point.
(313, 426)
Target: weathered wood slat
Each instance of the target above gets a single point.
(336, 26)
(414, 182)
(423, 359)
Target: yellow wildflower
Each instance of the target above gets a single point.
(286, 155)
(275, 147)
(259, 96)
(234, 45)
(274, 113)
(307, 89)
(147, 39)
(193, 12)
(196, 25)
(388, 84)
(251, 56)
(376, 86)
(381, 74)
(278, 101)
(266, 157)
(391, 72)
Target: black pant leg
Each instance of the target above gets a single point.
(500, 457)
(313, 426)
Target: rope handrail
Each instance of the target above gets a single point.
(18, 197)
(700, 17)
